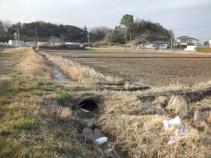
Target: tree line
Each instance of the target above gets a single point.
(43, 31)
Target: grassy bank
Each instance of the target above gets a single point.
(35, 114)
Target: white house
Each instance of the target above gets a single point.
(185, 41)
(210, 43)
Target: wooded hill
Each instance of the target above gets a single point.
(43, 31)
(138, 31)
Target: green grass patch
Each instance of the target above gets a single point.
(63, 98)
(28, 123)
(204, 50)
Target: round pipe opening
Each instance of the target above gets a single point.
(88, 105)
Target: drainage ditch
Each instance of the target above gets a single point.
(58, 75)
(86, 113)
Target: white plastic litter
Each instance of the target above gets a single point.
(178, 135)
(101, 140)
(169, 123)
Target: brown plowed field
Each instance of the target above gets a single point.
(158, 69)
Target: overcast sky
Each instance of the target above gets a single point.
(184, 17)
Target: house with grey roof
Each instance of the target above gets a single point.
(185, 41)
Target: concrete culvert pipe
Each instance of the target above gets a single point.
(88, 105)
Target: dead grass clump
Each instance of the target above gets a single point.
(64, 114)
(33, 65)
(178, 106)
(161, 100)
(201, 116)
(69, 68)
(136, 134)
(74, 73)
(122, 103)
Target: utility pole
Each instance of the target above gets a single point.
(18, 35)
(88, 37)
(130, 36)
(17, 38)
(126, 39)
(171, 42)
(36, 34)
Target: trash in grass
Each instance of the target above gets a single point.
(101, 140)
(178, 135)
(173, 122)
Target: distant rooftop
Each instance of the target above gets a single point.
(187, 37)
(159, 42)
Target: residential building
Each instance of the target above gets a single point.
(155, 45)
(190, 48)
(16, 43)
(184, 41)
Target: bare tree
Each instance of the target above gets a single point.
(4, 26)
(1, 26)
(99, 33)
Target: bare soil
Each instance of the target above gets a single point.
(156, 69)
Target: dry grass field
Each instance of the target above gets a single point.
(42, 115)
